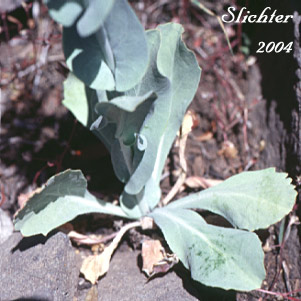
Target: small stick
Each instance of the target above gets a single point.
(286, 276)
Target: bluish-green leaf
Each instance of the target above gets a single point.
(250, 200)
(135, 206)
(65, 12)
(75, 98)
(63, 197)
(139, 125)
(179, 65)
(128, 113)
(94, 16)
(85, 58)
(114, 57)
(92, 13)
(216, 256)
(128, 103)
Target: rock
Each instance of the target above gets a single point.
(38, 268)
(125, 281)
(9, 5)
(6, 226)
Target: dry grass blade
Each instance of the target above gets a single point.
(200, 182)
(186, 128)
(211, 13)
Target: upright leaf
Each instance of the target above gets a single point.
(130, 146)
(75, 98)
(139, 125)
(65, 12)
(112, 58)
(89, 15)
(86, 59)
(216, 256)
(245, 199)
(179, 65)
(63, 197)
(94, 16)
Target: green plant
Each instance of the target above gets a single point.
(132, 89)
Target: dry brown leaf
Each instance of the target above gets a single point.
(262, 145)
(166, 264)
(151, 254)
(205, 137)
(189, 122)
(95, 266)
(228, 150)
(155, 259)
(197, 182)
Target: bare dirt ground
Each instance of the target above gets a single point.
(239, 124)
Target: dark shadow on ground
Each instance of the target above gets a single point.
(28, 242)
(200, 291)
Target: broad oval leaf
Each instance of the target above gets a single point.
(93, 13)
(94, 16)
(250, 200)
(112, 58)
(65, 12)
(85, 58)
(216, 256)
(63, 197)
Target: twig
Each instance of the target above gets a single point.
(292, 221)
(172, 193)
(286, 276)
(3, 198)
(284, 295)
(183, 164)
(120, 234)
(211, 13)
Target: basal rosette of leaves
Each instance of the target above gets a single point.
(222, 257)
(139, 125)
(135, 103)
